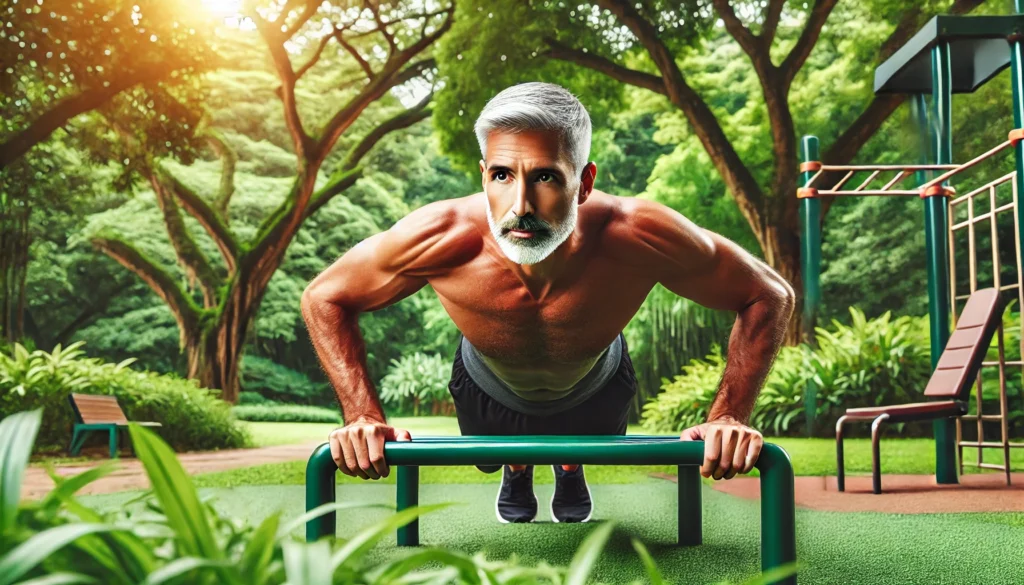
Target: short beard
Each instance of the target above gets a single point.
(535, 249)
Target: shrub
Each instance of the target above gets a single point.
(275, 412)
(278, 383)
(867, 363)
(193, 418)
(177, 537)
(418, 384)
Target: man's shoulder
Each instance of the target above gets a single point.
(440, 235)
(647, 232)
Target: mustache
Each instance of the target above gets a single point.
(526, 223)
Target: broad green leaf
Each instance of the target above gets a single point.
(586, 557)
(30, 553)
(362, 542)
(61, 579)
(179, 567)
(259, 551)
(17, 435)
(321, 510)
(304, 563)
(176, 493)
(464, 565)
(649, 565)
(69, 486)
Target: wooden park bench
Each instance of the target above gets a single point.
(94, 413)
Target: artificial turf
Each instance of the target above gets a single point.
(833, 548)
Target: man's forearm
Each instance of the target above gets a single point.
(339, 346)
(753, 344)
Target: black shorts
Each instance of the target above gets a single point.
(604, 413)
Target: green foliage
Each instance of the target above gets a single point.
(193, 418)
(866, 363)
(277, 412)
(175, 537)
(418, 384)
(280, 384)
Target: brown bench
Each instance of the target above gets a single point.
(95, 413)
(950, 383)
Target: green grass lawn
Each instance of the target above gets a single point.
(809, 457)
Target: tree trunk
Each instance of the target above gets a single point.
(214, 352)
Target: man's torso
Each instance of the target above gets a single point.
(543, 339)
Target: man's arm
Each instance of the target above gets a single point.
(374, 274)
(713, 271)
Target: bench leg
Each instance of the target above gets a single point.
(113, 442)
(840, 474)
(408, 496)
(876, 464)
(689, 505)
(77, 440)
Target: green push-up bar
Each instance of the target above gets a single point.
(778, 536)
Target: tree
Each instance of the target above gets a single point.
(59, 60)
(641, 43)
(213, 327)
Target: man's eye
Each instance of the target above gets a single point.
(498, 175)
(546, 175)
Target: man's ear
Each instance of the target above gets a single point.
(483, 174)
(587, 181)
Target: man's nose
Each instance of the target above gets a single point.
(521, 206)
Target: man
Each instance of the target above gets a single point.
(541, 273)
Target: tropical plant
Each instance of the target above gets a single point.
(177, 538)
(418, 383)
(193, 418)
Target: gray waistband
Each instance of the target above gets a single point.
(595, 379)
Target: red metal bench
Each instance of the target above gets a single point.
(950, 384)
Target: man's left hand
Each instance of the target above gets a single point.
(730, 447)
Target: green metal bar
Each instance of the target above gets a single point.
(937, 251)
(690, 525)
(1017, 81)
(778, 536)
(408, 496)
(810, 269)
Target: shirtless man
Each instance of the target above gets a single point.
(541, 273)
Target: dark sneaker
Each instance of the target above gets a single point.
(516, 501)
(571, 501)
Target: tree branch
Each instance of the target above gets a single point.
(227, 174)
(355, 55)
(207, 217)
(772, 14)
(751, 45)
(808, 38)
(163, 284)
(190, 257)
(598, 63)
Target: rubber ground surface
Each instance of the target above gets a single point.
(835, 548)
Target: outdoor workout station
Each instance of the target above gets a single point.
(951, 54)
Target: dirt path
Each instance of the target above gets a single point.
(130, 475)
(901, 494)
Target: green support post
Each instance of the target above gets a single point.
(936, 221)
(810, 269)
(778, 511)
(408, 496)
(1017, 81)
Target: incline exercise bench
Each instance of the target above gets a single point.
(778, 537)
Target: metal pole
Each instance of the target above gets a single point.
(810, 269)
(936, 219)
(1017, 81)
(408, 496)
(690, 528)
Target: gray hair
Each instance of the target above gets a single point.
(539, 106)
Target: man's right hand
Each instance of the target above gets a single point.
(358, 448)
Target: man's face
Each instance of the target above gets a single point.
(532, 194)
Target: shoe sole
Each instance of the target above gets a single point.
(498, 497)
(551, 506)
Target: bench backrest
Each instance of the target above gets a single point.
(96, 409)
(959, 363)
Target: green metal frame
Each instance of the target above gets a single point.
(810, 270)
(778, 535)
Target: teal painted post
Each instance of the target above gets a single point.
(320, 489)
(690, 527)
(936, 210)
(1017, 80)
(408, 496)
(810, 269)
